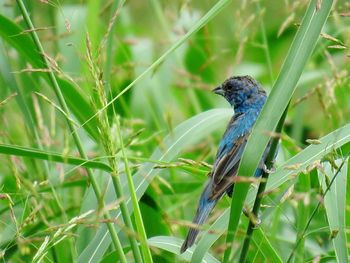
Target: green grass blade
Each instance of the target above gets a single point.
(303, 210)
(264, 245)
(299, 53)
(173, 245)
(140, 228)
(9, 83)
(18, 39)
(312, 153)
(335, 204)
(51, 157)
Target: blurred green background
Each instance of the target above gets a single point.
(245, 38)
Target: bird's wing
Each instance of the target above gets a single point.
(225, 168)
(228, 156)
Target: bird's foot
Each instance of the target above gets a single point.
(254, 219)
(245, 212)
(256, 222)
(269, 171)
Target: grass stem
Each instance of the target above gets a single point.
(137, 212)
(265, 43)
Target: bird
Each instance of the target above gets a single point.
(247, 98)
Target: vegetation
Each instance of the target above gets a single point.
(109, 129)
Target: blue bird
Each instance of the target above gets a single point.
(247, 99)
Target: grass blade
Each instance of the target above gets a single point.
(173, 245)
(52, 157)
(269, 162)
(146, 253)
(264, 245)
(335, 204)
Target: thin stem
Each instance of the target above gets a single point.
(137, 213)
(109, 45)
(315, 211)
(117, 5)
(115, 10)
(76, 138)
(269, 164)
(265, 44)
(126, 217)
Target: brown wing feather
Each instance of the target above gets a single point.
(226, 168)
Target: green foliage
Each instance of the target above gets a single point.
(113, 169)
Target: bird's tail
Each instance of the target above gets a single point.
(203, 211)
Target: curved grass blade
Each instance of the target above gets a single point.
(335, 204)
(265, 247)
(305, 158)
(173, 245)
(52, 157)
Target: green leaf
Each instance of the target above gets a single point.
(24, 45)
(113, 257)
(286, 83)
(335, 204)
(19, 40)
(265, 246)
(173, 245)
(153, 217)
(50, 156)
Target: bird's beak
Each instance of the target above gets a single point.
(219, 91)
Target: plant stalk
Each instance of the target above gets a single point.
(137, 212)
(265, 43)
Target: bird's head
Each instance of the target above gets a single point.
(240, 90)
